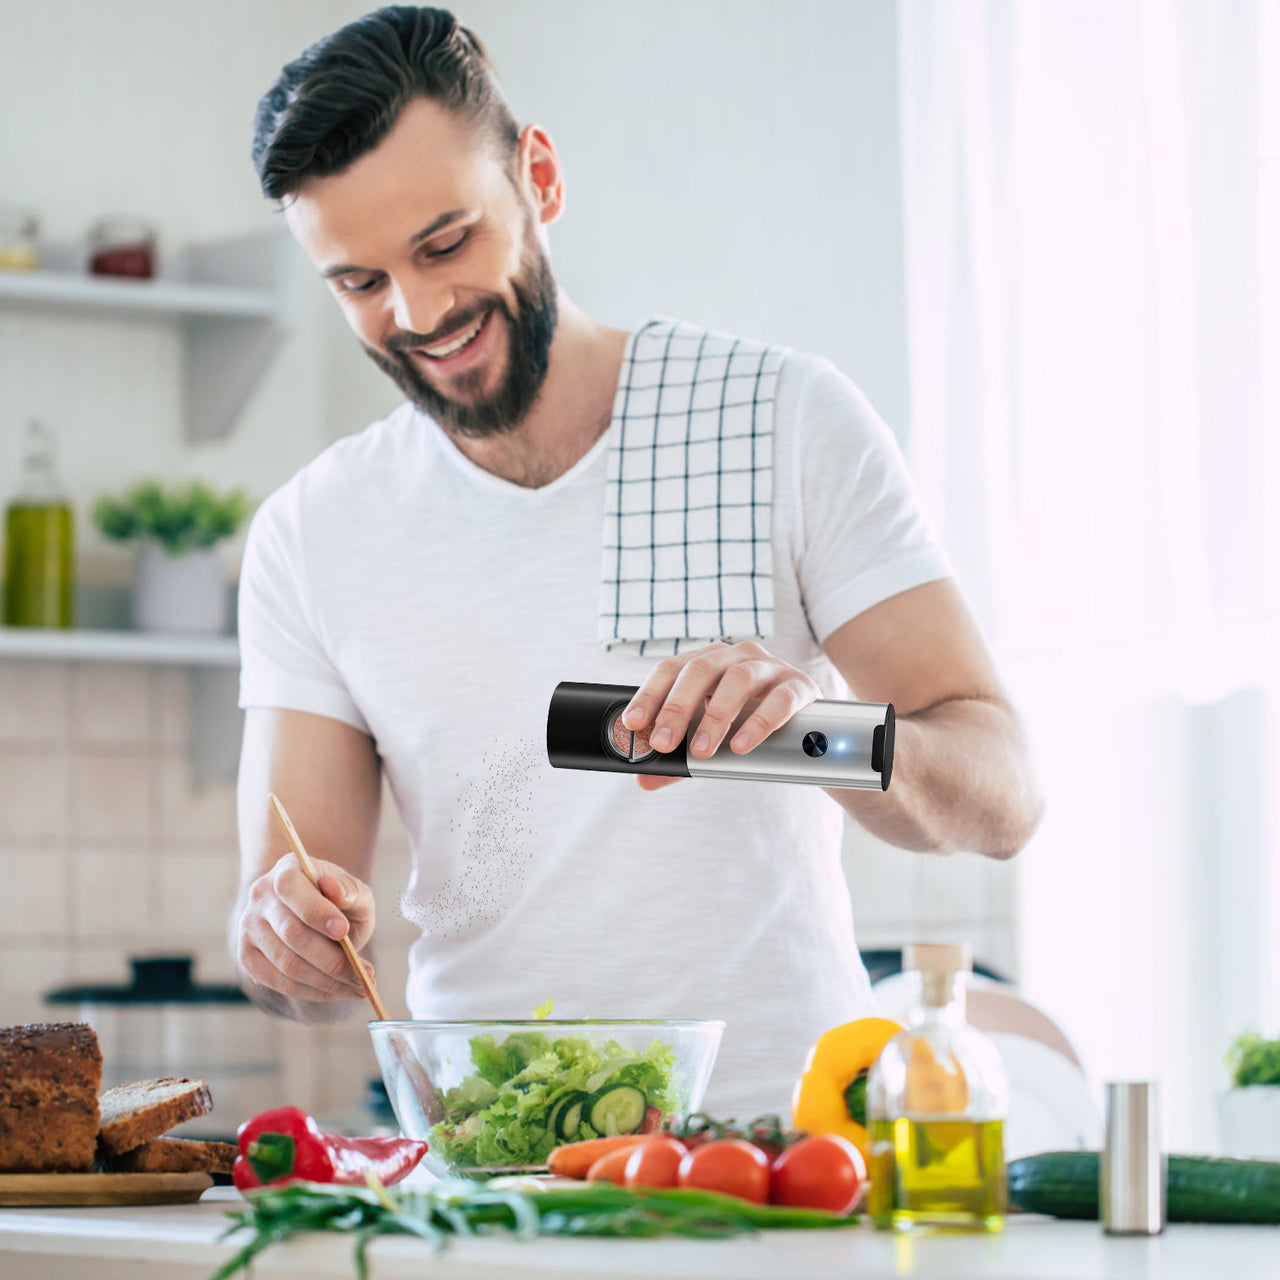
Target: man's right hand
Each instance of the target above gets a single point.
(286, 936)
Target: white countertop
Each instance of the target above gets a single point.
(179, 1242)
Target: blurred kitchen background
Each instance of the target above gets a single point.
(1045, 241)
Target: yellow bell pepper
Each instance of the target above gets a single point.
(830, 1097)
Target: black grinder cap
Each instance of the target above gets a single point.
(578, 723)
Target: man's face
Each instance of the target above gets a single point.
(437, 264)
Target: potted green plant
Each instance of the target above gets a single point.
(178, 580)
(1249, 1112)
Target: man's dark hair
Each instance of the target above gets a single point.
(338, 101)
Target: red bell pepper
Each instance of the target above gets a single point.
(286, 1144)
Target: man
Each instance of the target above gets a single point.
(715, 521)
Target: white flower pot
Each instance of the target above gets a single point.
(1249, 1121)
(179, 593)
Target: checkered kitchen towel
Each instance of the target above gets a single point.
(687, 554)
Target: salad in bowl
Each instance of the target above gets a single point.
(497, 1097)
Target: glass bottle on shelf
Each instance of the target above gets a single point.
(19, 238)
(39, 542)
(937, 1098)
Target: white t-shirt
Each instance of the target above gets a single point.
(394, 585)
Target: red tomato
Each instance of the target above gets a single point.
(729, 1165)
(823, 1171)
(655, 1162)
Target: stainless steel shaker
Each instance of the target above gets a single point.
(1132, 1171)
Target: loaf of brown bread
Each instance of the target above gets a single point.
(136, 1113)
(177, 1155)
(50, 1074)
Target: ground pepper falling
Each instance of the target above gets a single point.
(497, 848)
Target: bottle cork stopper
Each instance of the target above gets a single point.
(937, 963)
(938, 957)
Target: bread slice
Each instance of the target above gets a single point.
(136, 1113)
(177, 1155)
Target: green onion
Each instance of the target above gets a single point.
(276, 1214)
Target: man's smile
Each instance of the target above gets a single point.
(464, 348)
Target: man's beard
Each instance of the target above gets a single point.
(530, 331)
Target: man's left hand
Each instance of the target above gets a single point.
(726, 677)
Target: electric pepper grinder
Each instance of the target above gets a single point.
(829, 743)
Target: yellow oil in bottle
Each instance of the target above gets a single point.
(38, 565)
(39, 544)
(938, 1173)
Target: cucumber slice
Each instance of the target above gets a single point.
(558, 1117)
(571, 1118)
(554, 1112)
(616, 1109)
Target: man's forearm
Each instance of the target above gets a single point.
(962, 780)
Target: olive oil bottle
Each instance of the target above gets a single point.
(39, 542)
(936, 1103)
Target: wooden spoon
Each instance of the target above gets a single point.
(419, 1081)
(309, 870)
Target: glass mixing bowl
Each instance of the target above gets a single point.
(495, 1097)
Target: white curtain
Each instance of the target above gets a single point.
(1093, 279)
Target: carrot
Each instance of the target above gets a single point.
(574, 1159)
(612, 1167)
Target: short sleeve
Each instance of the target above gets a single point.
(863, 535)
(283, 660)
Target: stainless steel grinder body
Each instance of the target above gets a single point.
(829, 743)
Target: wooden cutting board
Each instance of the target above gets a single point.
(51, 1189)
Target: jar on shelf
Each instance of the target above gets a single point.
(122, 246)
(19, 238)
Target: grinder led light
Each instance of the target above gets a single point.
(828, 743)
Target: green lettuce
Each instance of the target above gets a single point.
(498, 1116)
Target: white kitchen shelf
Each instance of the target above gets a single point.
(212, 664)
(72, 645)
(233, 301)
(75, 291)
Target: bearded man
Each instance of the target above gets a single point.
(721, 522)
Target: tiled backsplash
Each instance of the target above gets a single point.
(107, 850)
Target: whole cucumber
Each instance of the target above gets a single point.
(1064, 1184)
